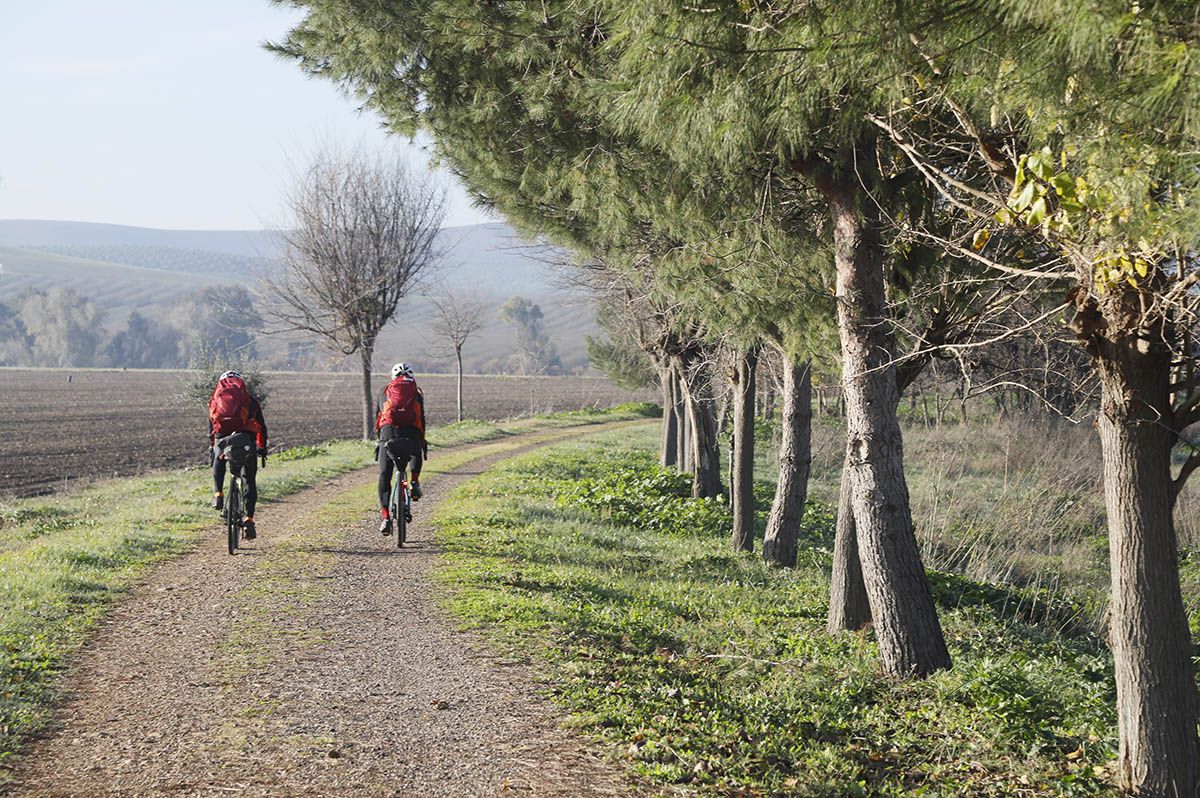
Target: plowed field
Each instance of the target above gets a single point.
(58, 427)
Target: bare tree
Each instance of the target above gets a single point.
(458, 316)
(363, 231)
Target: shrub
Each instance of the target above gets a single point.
(635, 491)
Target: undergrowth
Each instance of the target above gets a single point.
(713, 671)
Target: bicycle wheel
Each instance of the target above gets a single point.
(233, 514)
(395, 511)
(401, 511)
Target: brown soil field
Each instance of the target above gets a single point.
(58, 427)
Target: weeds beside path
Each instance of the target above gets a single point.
(711, 671)
(63, 560)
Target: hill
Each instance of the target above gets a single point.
(122, 268)
(116, 288)
(489, 257)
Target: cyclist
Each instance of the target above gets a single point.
(399, 413)
(231, 410)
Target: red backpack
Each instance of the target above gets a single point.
(400, 406)
(229, 408)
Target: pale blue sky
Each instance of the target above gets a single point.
(162, 113)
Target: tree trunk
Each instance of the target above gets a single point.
(1151, 645)
(906, 623)
(686, 432)
(849, 608)
(365, 355)
(741, 487)
(668, 445)
(703, 451)
(458, 354)
(682, 444)
(795, 459)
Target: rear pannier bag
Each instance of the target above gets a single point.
(400, 449)
(240, 448)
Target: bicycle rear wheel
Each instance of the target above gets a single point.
(399, 504)
(233, 514)
(402, 517)
(394, 507)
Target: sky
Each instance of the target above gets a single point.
(166, 113)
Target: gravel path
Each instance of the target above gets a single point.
(315, 663)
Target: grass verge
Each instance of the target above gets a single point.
(64, 558)
(713, 671)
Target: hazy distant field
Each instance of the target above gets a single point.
(112, 423)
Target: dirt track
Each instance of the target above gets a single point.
(315, 663)
(113, 423)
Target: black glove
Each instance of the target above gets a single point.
(425, 448)
(262, 454)
(377, 451)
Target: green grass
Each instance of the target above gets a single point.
(471, 431)
(64, 558)
(711, 669)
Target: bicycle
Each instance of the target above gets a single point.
(237, 449)
(399, 451)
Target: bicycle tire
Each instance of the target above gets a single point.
(233, 515)
(402, 520)
(393, 503)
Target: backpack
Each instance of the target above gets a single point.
(400, 405)
(229, 408)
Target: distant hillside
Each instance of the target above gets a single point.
(172, 259)
(489, 257)
(123, 268)
(116, 288)
(37, 234)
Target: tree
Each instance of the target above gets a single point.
(362, 233)
(538, 354)
(14, 340)
(621, 353)
(624, 365)
(741, 487)
(795, 458)
(63, 328)
(144, 343)
(219, 321)
(1080, 146)
(457, 318)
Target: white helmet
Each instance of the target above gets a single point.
(401, 369)
(228, 374)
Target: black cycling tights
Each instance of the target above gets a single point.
(386, 433)
(250, 469)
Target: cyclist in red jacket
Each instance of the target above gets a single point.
(399, 413)
(232, 410)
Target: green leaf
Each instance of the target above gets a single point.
(1064, 184)
(1023, 198)
(1037, 212)
(1041, 163)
